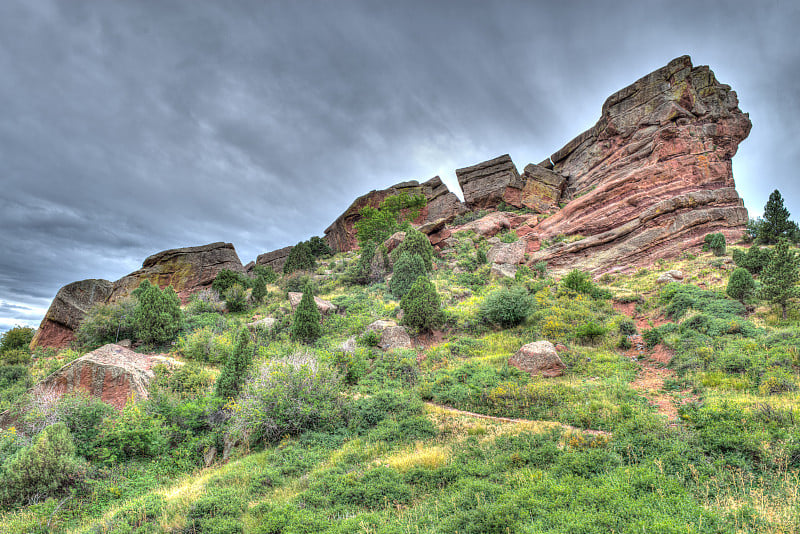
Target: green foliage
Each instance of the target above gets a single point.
(627, 327)
(679, 298)
(83, 415)
(421, 306)
(775, 224)
(300, 259)
(107, 323)
(157, 315)
(319, 247)
(235, 370)
(716, 243)
(777, 381)
(287, 396)
(754, 260)
(266, 273)
(417, 243)
(45, 468)
(296, 283)
(578, 281)
(306, 324)
(361, 271)
(203, 302)
(236, 298)
(226, 279)
(16, 338)
(741, 285)
(507, 307)
(469, 216)
(407, 269)
(590, 332)
(376, 224)
(135, 433)
(780, 276)
(259, 290)
(509, 236)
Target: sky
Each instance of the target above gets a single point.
(128, 128)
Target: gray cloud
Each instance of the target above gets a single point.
(130, 128)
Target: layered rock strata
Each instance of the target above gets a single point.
(275, 259)
(441, 204)
(68, 309)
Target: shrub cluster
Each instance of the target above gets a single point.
(157, 315)
(507, 307)
(421, 306)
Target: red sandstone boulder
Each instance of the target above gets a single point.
(538, 358)
(67, 310)
(487, 226)
(111, 373)
(275, 259)
(323, 306)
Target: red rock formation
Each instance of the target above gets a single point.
(275, 259)
(653, 176)
(188, 270)
(67, 310)
(442, 204)
(111, 373)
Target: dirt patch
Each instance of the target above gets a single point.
(427, 340)
(650, 379)
(625, 308)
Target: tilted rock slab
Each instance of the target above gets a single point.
(275, 259)
(68, 309)
(442, 204)
(653, 176)
(111, 373)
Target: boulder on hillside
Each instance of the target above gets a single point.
(538, 358)
(323, 306)
(188, 270)
(508, 253)
(111, 373)
(394, 240)
(392, 335)
(487, 226)
(484, 185)
(503, 270)
(262, 324)
(68, 310)
(670, 276)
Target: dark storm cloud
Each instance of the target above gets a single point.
(129, 128)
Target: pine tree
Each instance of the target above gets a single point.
(421, 306)
(306, 325)
(234, 373)
(259, 290)
(776, 223)
(780, 276)
(408, 268)
(740, 284)
(300, 259)
(157, 316)
(418, 243)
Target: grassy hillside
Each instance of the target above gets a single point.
(678, 412)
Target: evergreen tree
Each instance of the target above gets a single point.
(259, 290)
(300, 259)
(408, 268)
(780, 276)
(319, 247)
(361, 272)
(236, 298)
(417, 243)
(776, 223)
(421, 306)
(716, 243)
(306, 325)
(741, 284)
(234, 373)
(157, 316)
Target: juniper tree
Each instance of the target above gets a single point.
(779, 278)
(421, 306)
(740, 284)
(300, 259)
(234, 373)
(306, 325)
(259, 290)
(408, 268)
(417, 243)
(157, 316)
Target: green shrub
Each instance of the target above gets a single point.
(590, 332)
(43, 469)
(509, 236)
(376, 224)
(236, 298)
(407, 269)
(679, 298)
(578, 281)
(507, 307)
(741, 285)
(300, 259)
(205, 301)
(627, 327)
(421, 306)
(287, 396)
(134, 433)
(207, 345)
(624, 343)
(266, 272)
(83, 415)
(259, 290)
(540, 268)
(157, 316)
(754, 260)
(107, 323)
(306, 325)
(234, 372)
(652, 337)
(297, 283)
(777, 381)
(319, 247)
(370, 338)
(361, 271)
(226, 279)
(19, 337)
(715, 243)
(417, 243)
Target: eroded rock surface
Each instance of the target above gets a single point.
(392, 335)
(67, 310)
(538, 358)
(112, 373)
(275, 259)
(323, 306)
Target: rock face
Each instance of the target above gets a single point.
(67, 310)
(323, 306)
(111, 373)
(188, 270)
(442, 204)
(653, 176)
(538, 358)
(274, 259)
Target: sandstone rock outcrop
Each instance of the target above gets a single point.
(274, 259)
(188, 270)
(111, 373)
(442, 204)
(653, 176)
(538, 358)
(323, 306)
(67, 310)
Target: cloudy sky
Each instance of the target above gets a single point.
(132, 127)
